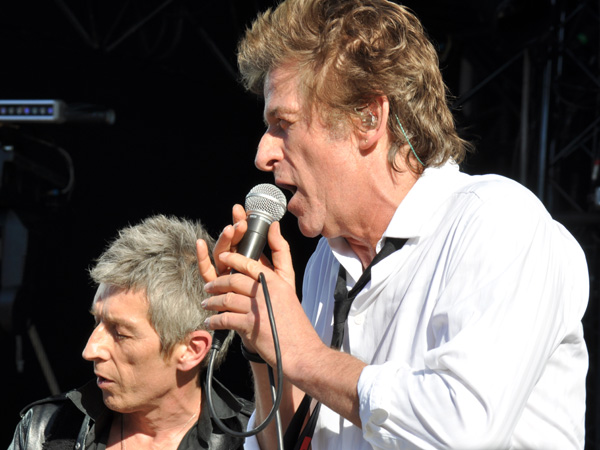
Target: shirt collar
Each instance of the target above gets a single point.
(432, 188)
(88, 399)
(206, 432)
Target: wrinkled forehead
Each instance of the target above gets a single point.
(286, 73)
(105, 292)
(116, 303)
(285, 94)
(282, 85)
(285, 89)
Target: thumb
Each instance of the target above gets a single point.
(281, 255)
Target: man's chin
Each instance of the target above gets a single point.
(111, 402)
(308, 231)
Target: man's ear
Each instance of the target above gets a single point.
(193, 350)
(371, 122)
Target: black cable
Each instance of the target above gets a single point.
(277, 396)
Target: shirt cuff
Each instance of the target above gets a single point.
(376, 403)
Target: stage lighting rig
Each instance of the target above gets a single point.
(53, 111)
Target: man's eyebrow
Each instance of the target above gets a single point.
(278, 111)
(111, 320)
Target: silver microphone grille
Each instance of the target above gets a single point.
(267, 200)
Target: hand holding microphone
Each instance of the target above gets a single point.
(265, 204)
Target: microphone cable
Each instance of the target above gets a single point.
(275, 393)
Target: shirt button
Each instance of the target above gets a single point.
(379, 416)
(77, 446)
(358, 320)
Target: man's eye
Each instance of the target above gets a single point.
(118, 336)
(278, 126)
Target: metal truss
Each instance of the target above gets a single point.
(149, 29)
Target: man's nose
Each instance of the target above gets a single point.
(269, 152)
(96, 345)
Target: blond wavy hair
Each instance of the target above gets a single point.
(348, 53)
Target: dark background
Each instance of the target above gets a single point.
(524, 75)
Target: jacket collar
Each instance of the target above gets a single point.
(88, 399)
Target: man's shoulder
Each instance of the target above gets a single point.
(47, 404)
(50, 418)
(498, 190)
(68, 399)
(231, 404)
(51, 410)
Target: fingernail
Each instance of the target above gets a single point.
(207, 322)
(203, 303)
(208, 286)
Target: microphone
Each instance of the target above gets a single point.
(265, 204)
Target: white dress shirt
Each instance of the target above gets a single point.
(472, 331)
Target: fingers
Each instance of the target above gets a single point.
(240, 226)
(238, 213)
(223, 244)
(281, 255)
(234, 297)
(229, 302)
(227, 242)
(207, 270)
(242, 264)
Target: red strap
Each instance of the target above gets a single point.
(306, 443)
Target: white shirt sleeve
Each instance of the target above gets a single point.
(504, 338)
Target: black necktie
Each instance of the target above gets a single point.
(343, 300)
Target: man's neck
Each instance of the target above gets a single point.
(383, 205)
(165, 424)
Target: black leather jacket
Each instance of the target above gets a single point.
(79, 420)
